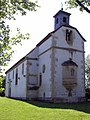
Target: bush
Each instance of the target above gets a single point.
(88, 93)
(2, 92)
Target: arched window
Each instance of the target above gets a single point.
(16, 80)
(64, 19)
(40, 79)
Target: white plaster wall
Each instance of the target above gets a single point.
(33, 66)
(6, 86)
(33, 53)
(80, 89)
(45, 46)
(45, 86)
(19, 90)
(64, 55)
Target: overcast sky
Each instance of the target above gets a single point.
(41, 22)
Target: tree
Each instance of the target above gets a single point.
(82, 4)
(87, 71)
(8, 10)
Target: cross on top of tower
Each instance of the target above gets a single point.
(61, 6)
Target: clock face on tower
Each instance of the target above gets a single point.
(69, 36)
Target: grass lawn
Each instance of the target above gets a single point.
(18, 110)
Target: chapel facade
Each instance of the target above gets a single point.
(54, 70)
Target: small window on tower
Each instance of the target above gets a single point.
(64, 19)
(57, 21)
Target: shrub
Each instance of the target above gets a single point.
(88, 93)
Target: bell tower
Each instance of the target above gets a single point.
(61, 18)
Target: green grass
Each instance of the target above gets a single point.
(18, 110)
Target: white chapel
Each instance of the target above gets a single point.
(54, 70)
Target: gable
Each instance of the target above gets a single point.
(76, 31)
(50, 34)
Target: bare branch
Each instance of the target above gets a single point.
(85, 8)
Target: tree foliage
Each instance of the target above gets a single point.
(2, 83)
(82, 4)
(87, 70)
(8, 10)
